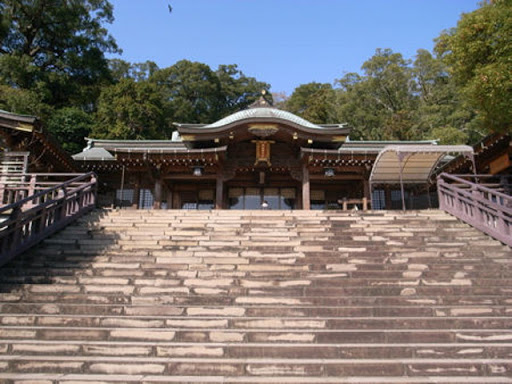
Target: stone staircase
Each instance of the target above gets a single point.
(259, 297)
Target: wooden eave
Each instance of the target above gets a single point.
(18, 122)
(135, 144)
(142, 158)
(64, 160)
(485, 151)
(329, 130)
(326, 157)
(332, 138)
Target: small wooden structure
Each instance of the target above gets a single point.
(25, 146)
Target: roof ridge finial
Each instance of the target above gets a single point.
(263, 101)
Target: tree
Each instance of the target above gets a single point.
(191, 91)
(237, 91)
(314, 102)
(121, 69)
(357, 107)
(131, 110)
(70, 126)
(380, 104)
(478, 52)
(24, 102)
(55, 46)
(441, 114)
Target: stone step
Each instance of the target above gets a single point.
(311, 367)
(239, 268)
(150, 379)
(409, 305)
(202, 330)
(231, 349)
(242, 318)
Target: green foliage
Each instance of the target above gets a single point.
(52, 65)
(389, 80)
(380, 103)
(396, 99)
(441, 114)
(131, 110)
(448, 135)
(121, 69)
(315, 102)
(24, 102)
(479, 53)
(237, 91)
(191, 91)
(356, 106)
(70, 126)
(55, 46)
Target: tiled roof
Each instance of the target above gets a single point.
(92, 154)
(263, 113)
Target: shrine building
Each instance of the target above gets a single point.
(255, 156)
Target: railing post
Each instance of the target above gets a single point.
(2, 190)
(478, 202)
(441, 193)
(502, 227)
(93, 191)
(14, 229)
(32, 190)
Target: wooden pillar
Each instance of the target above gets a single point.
(388, 197)
(367, 193)
(219, 192)
(306, 195)
(157, 202)
(169, 197)
(366, 188)
(299, 198)
(136, 196)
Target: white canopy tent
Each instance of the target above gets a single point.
(411, 164)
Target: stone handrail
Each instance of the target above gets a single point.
(31, 219)
(479, 205)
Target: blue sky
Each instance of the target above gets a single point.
(283, 42)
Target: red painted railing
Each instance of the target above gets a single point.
(37, 206)
(479, 202)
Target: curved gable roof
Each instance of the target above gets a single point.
(263, 113)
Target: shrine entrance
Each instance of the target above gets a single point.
(253, 198)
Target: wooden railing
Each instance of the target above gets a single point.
(31, 217)
(16, 187)
(478, 201)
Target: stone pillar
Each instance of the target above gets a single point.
(219, 192)
(157, 202)
(306, 196)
